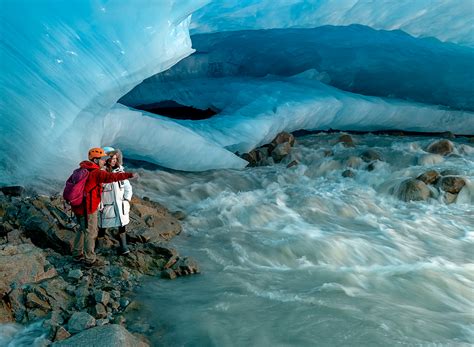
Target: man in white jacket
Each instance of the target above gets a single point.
(116, 196)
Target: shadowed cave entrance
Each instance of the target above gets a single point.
(172, 109)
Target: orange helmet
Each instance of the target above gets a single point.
(96, 152)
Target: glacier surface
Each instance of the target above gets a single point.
(65, 65)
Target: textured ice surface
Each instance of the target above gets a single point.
(447, 20)
(69, 61)
(254, 110)
(354, 58)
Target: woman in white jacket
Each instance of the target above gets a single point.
(115, 211)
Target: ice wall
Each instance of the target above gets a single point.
(65, 64)
(353, 58)
(447, 20)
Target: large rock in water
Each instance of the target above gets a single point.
(104, 336)
(442, 147)
(452, 184)
(429, 177)
(413, 189)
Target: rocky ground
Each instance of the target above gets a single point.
(39, 281)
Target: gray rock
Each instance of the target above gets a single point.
(102, 297)
(101, 322)
(348, 173)
(12, 190)
(61, 334)
(371, 155)
(450, 198)
(413, 189)
(429, 177)
(100, 311)
(281, 151)
(75, 273)
(80, 321)
(441, 147)
(115, 294)
(452, 184)
(111, 335)
(168, 274)
(346, 140)
(283, 137)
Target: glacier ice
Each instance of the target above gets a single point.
(354, 58)
(65, 65)
(64, 61)
(447, 20)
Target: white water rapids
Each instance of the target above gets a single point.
(305, 257)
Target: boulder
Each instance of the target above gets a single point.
(61, 334)
(283, 137)
(75, 274)
(257, 157)
(102, 297)
(441, 147)
(111, 335)
(6, 315)
(429, 177)
(450, 198)
(370, 155)
(413, 189)
(346, 140)
(20, 264)
(430, 159)
(12, 190)
(353, 162)
(99, 311)
(452, 184)
(281, 151)
(80, 321)
(348, 173)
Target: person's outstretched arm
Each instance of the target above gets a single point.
(109, 177)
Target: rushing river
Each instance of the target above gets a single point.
(305, 257)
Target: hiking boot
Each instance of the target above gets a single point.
(123, 250)
(78, 258)
(95, 263)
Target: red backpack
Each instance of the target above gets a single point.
(74, 190)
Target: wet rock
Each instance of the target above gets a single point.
(111, 335)
(429, 177)
(450, 198)
(348, 173)
(413, 189)
(370, 155)
(185, 266)
(328, 153)
(353, 162)
(346, 140)
(6, 315)
(283, 137)
(16, 300)
(371, 167)
(449, 172)
(80, 321)
(124, 302)
(168, 274)
(61, 334)
(179, 215)
(452, 184)
(281, 151)
(12, 190)
(293, 163)
(75, 274)
(441, 147)
(257, 157)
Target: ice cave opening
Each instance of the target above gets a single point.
(174, 110)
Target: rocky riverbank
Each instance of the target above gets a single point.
(39, 281)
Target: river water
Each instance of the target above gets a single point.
(304, 257)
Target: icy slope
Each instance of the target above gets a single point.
(64, 61)
(447, 20)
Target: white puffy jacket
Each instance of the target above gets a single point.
(115, 205)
